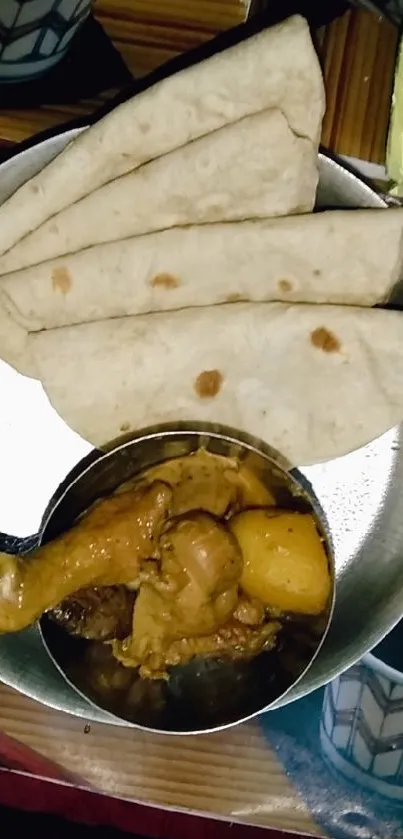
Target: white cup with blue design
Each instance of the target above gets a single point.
(36, 34)
(361, 728)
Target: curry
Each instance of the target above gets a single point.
(192, 558)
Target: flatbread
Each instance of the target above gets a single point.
(276, 68)
(14, 340)
(315, 382)
(253, 168)
(329, 257)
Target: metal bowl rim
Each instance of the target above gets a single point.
(245, 442)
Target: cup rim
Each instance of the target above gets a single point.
(383, 669)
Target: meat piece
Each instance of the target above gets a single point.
(214, 484)
(234, 640)
(197, 594)
(199, 555)
(200, 481)
(105, 547)
(252, 491)
(250, 612)
(97, 614)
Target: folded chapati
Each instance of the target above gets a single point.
(276, 68)
(329, 257)
(252, 168)
(313, 381)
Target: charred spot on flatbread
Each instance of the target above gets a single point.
(285, 285)
(208, 384)
(324, 339)
(164, 280)
(61, 280)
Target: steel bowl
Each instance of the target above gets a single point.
(361, 495)
(206, 694)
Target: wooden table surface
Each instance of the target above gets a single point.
(233, 775)
(357, 52)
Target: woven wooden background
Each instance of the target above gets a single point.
(357, 52)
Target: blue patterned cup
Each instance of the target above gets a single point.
(361, 728)
(36, 34)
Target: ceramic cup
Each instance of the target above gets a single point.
(35, 35)
(361, 728)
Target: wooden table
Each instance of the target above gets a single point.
(357, 51)
(231, 775)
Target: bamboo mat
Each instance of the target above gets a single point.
(357, 52)
(149, 32)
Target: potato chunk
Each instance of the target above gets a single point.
(285, 563)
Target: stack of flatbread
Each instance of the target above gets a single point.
(167, 265)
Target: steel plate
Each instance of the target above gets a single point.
(362, 496)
